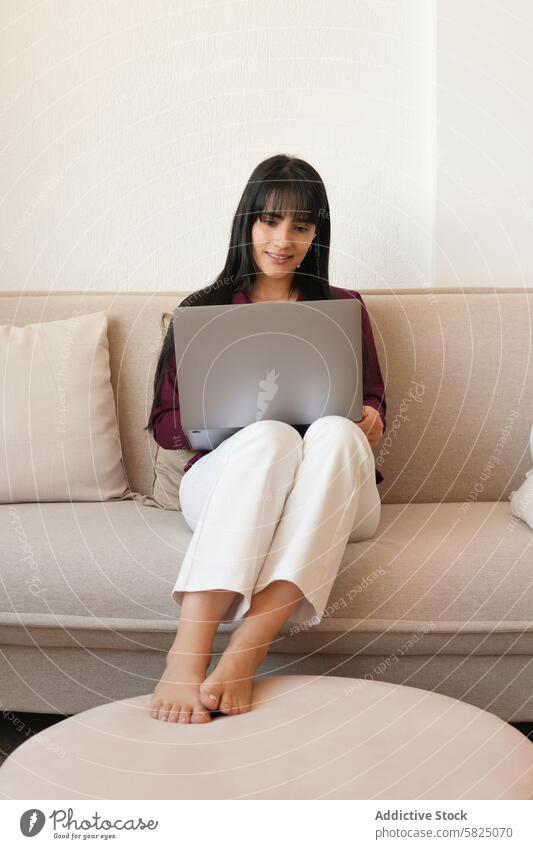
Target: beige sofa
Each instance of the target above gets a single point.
(441, 598)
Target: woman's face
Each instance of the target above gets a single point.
(280, 235)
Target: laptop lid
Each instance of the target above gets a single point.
(289, 361)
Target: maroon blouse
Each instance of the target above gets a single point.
(167, 429)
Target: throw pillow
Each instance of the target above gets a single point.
(59, 437)
(522, 498)
(169, 463)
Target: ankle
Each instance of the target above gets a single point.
(243, 651)
(192, 659)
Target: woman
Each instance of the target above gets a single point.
(273, 506)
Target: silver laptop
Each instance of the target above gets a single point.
(293, 361)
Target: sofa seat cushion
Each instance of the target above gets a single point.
(436, 577)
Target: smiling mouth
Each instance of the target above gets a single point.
(279, 257)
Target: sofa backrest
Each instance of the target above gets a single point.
(457, 365)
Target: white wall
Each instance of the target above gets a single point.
(484, 175)
(130, 128)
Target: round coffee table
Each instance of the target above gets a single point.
(306, 737)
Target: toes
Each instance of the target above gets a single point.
(225, 700)
(200, 715)
(154, 708)
(164, 711)
(209, 696)
(184, 715)
(173, 713)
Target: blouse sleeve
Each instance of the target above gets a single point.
(166, 421)
(373, 385)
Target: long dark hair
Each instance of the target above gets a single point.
(275, 180)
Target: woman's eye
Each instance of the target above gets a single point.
(301, 228)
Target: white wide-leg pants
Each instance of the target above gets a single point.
(269, 505)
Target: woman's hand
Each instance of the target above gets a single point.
(371, 425)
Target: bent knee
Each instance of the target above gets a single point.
(277, 435)
(337, 424)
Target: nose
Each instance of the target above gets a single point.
(281, 237)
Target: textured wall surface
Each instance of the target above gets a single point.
(484, 141)
(130, 129)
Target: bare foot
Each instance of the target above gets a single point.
(229, 686)
(177, 696)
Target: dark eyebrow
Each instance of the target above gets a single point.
(302, 216)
